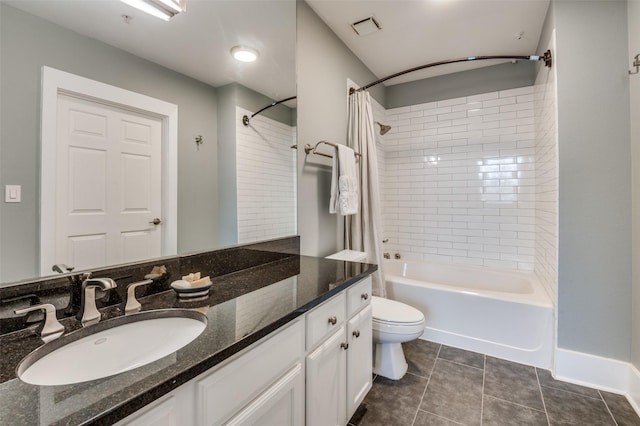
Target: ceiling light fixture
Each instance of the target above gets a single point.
(163, 9)
(244, 53)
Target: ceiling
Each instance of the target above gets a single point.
(197, 42)
(415, 32)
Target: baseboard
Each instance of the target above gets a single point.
(634, 389)
(598, 372)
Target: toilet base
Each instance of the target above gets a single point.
(389, 361)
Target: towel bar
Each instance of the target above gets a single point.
(312, 149)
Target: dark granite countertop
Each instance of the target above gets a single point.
(242, 308)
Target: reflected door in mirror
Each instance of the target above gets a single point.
(108, 184)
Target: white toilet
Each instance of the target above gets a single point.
(393, 324)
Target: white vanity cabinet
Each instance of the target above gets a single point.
(322, 358)
(264, 386)
(339, 367)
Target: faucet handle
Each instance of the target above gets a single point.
(132, 305)
(52, 329)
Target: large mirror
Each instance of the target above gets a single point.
(233, 183)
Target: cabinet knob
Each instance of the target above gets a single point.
(356, 333)
(364, 296)
(333, 320)
(344, 346)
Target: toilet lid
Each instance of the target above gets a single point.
(395, 312)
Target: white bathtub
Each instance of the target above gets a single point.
(503, 314)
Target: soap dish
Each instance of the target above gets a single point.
(184, 289)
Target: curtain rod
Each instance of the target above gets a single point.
(245, 119)
(546, 57)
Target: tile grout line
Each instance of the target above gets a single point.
(515, 403)
(484, 374)
(425, 388)
(544, 405)
(607, 407)
(442, 417)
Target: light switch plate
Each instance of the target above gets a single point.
(12, 193)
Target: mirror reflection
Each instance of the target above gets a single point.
(231, 183)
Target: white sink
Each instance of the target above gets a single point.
(111, 347)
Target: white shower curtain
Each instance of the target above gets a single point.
(363, 231)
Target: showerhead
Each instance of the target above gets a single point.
(383, 128)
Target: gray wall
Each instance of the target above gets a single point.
(634, 49)
(28, 43)
(594, 283)
(324, 65)
(465, 83)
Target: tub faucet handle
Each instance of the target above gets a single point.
(397, 255)
(386, 255)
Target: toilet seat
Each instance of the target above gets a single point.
(390, 312)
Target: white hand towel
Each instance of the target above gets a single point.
(344, 182)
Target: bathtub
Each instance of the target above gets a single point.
(500, 313)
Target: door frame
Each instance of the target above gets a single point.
(55, 82)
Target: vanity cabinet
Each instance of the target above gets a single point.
(264, 386)
(323, 358)
(339, 368)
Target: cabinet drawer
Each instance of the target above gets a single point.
(324, 319)
(358, 296)
(225, 391)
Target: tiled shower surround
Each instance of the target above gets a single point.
(459, 180)
(266, 178)
(546, 131)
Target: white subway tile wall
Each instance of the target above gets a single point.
(546, 209)
(458, 183)
(266, 178)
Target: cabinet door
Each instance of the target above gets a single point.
(359, 359)
(280, 405)
(326, 382)
(160, 413)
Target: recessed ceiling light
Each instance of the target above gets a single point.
(244, 53)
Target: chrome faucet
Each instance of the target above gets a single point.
(89, 313)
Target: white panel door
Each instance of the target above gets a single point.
(108, 184)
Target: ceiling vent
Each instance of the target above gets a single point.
(366, 26)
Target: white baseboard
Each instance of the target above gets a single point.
(634, 389)
(598, 372)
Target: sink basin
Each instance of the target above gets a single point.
(111, 347)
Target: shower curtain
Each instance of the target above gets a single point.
(363, 231)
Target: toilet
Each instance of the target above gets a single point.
(394, 323)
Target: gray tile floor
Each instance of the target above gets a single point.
(446, 386)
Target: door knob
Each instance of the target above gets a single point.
(156, 221)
